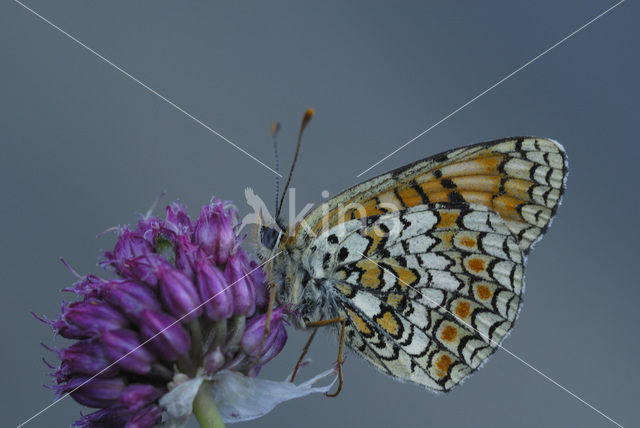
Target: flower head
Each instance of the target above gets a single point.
(185, 303)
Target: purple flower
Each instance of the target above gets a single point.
(254, 332)
(178, 293)
(147, 417)
(87, 318)
(166, 336)
(138, 395)
(130, 297)
(214, 291)
(124, 349)
(214, 231)
(85, 357)
(242, 290)
(94, 392)
(186, 302)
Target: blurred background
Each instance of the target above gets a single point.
(84, 148)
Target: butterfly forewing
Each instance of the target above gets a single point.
(520, 178)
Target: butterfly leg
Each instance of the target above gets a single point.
(304, 352)
(343, 323)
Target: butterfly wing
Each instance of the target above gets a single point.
(428, 292)
(426, 262)
(519, 178)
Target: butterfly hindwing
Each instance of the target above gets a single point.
(428, 292)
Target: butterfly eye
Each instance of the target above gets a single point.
(269, 237)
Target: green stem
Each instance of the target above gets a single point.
(205, 408)
(237, 330)
(196, 342)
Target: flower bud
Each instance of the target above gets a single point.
(130, 297)
(241, 287)
(170, 339)
(178, 293)
(138, 395)
(80, 320)
(214, 231)
(85, 357)
(94, 392)
(123, 348)
(89, 285)
(254, 331)
(185, 256)
(214, 361)
(276, 345)
(177, 216)
(214, 290)
(145, 418)
(142, 269)
(259, 284)
(114, 416)
(129, 246)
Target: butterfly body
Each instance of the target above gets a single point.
(425, 263)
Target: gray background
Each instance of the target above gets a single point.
(84, 148)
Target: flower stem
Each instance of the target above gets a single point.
(196, 342)
(204, 407)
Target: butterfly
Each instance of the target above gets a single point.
(421, 269)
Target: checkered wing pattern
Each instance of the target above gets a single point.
(519, 178)
(425, 263)
(428, 292)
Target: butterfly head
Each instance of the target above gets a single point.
(269, 237)
(266, 236)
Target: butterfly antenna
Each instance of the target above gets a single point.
(305, 121)
(275, 128)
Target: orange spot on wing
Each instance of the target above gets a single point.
(480, 166)
(370, 274)
(432, 187)
(483, 292)
(463, 309)
(394, 300)
(476, 265)
(370, 208)
(389, 323)
(410, 197)
(449, 333)
(491, 163)
(478, 183)
(376, 234)
(438, 197)
(359, 322)
(480, 198)
(344, 288)
(468, 241)
(448, 219)
(507, 207)
(518, 188)
(443, 364)
(405, 276)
